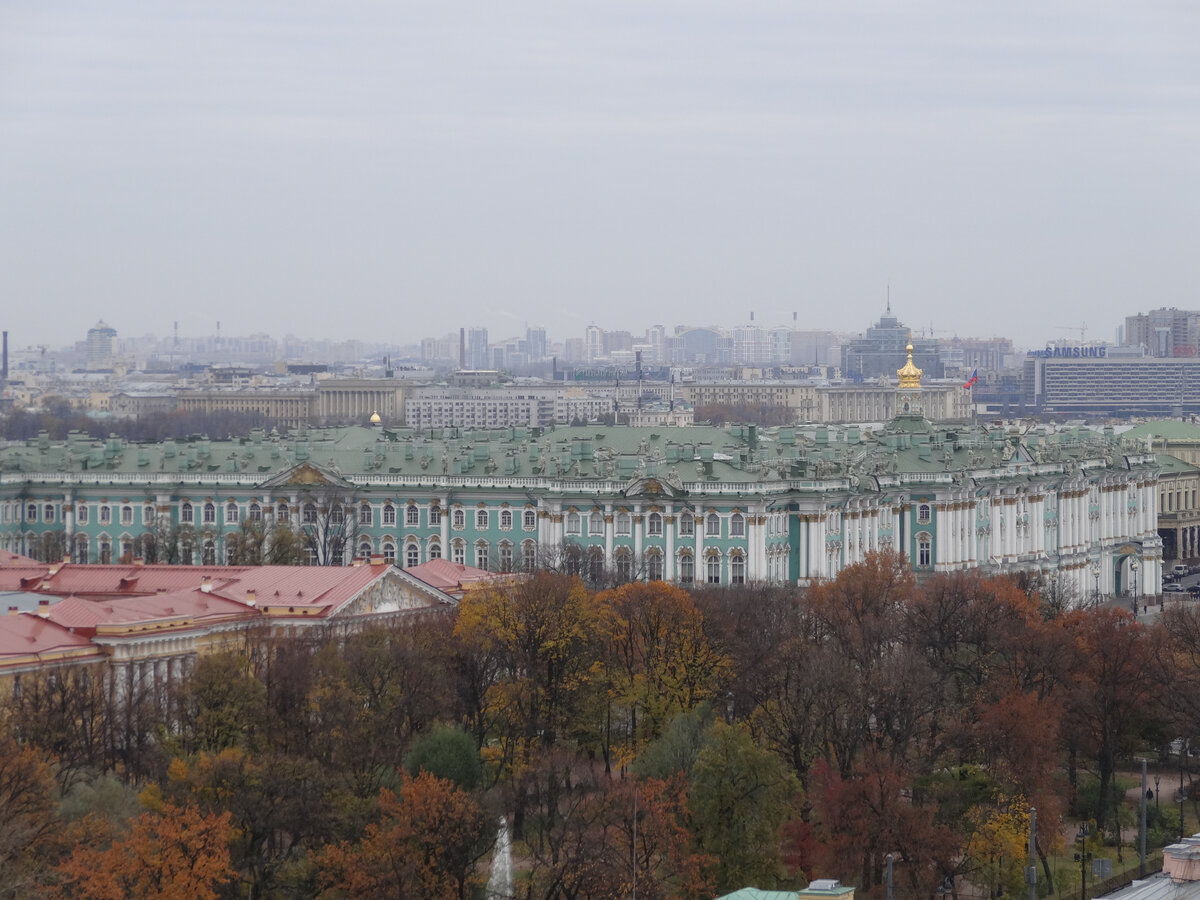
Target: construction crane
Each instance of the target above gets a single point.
(1081, 328)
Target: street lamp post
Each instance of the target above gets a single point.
(1133, 570)
(1082, 856)
(1096, 579)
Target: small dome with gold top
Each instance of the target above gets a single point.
(375, 420)
(910, 375)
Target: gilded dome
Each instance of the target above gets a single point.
(375, 420)
(910, 375)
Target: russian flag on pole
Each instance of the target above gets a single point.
(971, 381)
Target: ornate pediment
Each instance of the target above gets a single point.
(306, 475)
(642, 486)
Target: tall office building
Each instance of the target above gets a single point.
(101, 343)
(477, 349)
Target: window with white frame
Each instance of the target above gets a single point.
(572, 522)
(254, 513)
(481, 555)
(126, 515)
(365, 516)
(687, 568)
(148, 514)
(186, 516)
(530, 522)
(924, 550)
(924, 514)
(737, 525)
(364, 549)
(337, 515)
(481, 521)
(506, 556)
(412, 515)
(389, 552)
(623, 523)
(435, 550)
(596, 523)
(435, 515)
(309, 514)
(458, 551)
(231, 512)
(528, 556)
(654, 523)
(389, 514)
(624, 562)
(412, 554)
(737, 568)
(712, 566)
(282, 513)
(687, 525)
(654, 565)
(81, 513)
(712, 525)
(31, 512)
(210, 514)
(48, 512)
(105, 514)
(458, 521)
(506, 520)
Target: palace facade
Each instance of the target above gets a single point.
(685, 504)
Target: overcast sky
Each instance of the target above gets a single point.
(392, 170)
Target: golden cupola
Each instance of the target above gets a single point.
(910, 375)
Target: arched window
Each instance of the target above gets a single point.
(231, 512)
(481, 521)
(389, 514)
(282, 513)
(654, 523)
(924, 550)
(737, 567)
(506, 556)
(530, 519)
(654, 565)
(81, 548)
(255, 513)
(687, 568)
(435, 550)
(412, 514)
(105, 553)
(528, 556)
(481, 555)
(623, 523)
(81, 513)
(209, 555)
(126, 515)
(435, 515)
(712, 525)
(737, 525)
(412, 554)
(364, 549)
(596, 523)
(459, 519)
(506, 520)
(624, 560)
(309, 513)
(924, 514)
(210, 514)
(31, 512)
(105, 514)
(687, 525)
(712, 566)
(389, 553)
(458, 551)
(572, 522)
(595, 564)
(365, 516)
(337, 515)
(48, 512)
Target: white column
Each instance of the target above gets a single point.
(669, 526)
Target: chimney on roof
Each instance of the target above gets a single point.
(377, 559)
(206, 584)
(358, 561)
(66, 558)
(251, 598)
(12, 610)
(139, 561)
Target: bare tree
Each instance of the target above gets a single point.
(329, 524)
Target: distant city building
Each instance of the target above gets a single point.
(101, 346)
(1111, 385)
(478, 355)
(1164, 332)
(880, 352)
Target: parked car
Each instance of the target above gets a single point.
(1174, 589)
(1194, 590)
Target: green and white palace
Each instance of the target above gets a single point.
(697, 503)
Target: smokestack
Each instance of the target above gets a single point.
(462, 348)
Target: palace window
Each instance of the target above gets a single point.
(506, 556)
(148, 514)
(654, 524)
(530, 519)
(435, 550)
(924, 550)
(231, 512)
(596, 523)
(624, 560)
(48, 512)
(210, 514)
(389, 514)
(687, 568)
(481, 555)
(481, 521)
(255, 513)
(528, 556)
(412, 515)
(31, 512)
(282, 513)
(389, 552)
(364, 550)
(713, 569)
(412, 554)
(126, 515)
(337, 516)
(458, 551)
(623, 523)
(81, 513)
(506, 520)
(737, 568)
(654, 566)
(572, 522)
(435, 515)
(712, 525)
(737, 525)
(459, 520)
(106, 515)
(105, 554)
(924, 514)
(365, 515)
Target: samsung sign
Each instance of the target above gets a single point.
(1076, 352)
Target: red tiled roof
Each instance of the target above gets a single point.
(172, 607)
(8, 558)
(450, 576)
(28, 634)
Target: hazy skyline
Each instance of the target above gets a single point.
(394, 171)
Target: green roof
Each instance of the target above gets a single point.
(1171, 429)
(1173, 465)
